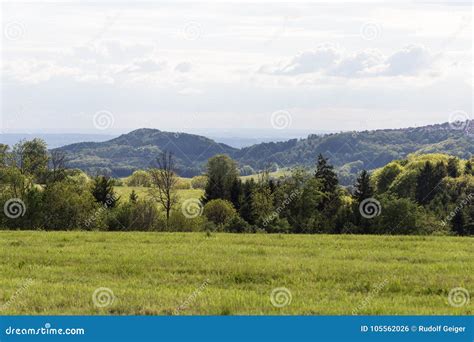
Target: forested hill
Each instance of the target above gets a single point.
(348, 151)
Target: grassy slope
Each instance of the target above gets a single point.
(153, 273)
(142, 192)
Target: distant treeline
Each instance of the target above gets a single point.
(423, 194)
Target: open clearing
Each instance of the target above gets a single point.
(221, 274)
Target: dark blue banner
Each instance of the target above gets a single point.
(238, 328)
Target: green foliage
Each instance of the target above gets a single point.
(325, 173)
(221, 174)
(219, 211)
(423, 194)
(103, 191)
(350, 152)
(363, 188)
(385, 176)
(141, 215)
(139, 178)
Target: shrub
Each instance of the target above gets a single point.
(237, 225)
(67, 205)
(141, 215)
(219, 211)
(180, 223)
(139, 178)
(183, 184)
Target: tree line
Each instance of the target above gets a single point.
(427, 194)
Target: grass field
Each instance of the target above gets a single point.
(155, 273)
(142, 192)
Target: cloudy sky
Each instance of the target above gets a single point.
(109, 67)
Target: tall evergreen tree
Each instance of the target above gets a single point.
(468, 168)
(453, 167)
(103, 191)
(440, 171)
(325, 173)
(424, 184)
(363, 189)
(458, 223)
(246, 201)
(236, 193)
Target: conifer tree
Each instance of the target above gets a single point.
(363, 189)
(325, 173)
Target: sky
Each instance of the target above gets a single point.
(109, 67)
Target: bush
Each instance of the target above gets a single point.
(139, 216)
(180, 223)
(183, 184)
(139, 178)
(237, 225)
(67, 205)
(219, 211)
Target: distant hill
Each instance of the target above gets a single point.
(348, 151)
(139, 149)
(53, 140)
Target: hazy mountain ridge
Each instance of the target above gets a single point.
(349, 151)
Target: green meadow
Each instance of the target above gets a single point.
(143, 192)
(225, 274)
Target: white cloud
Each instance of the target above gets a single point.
(183, 67)
(323, 57)
(408, 61)
(249, 61)
(332, 61)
